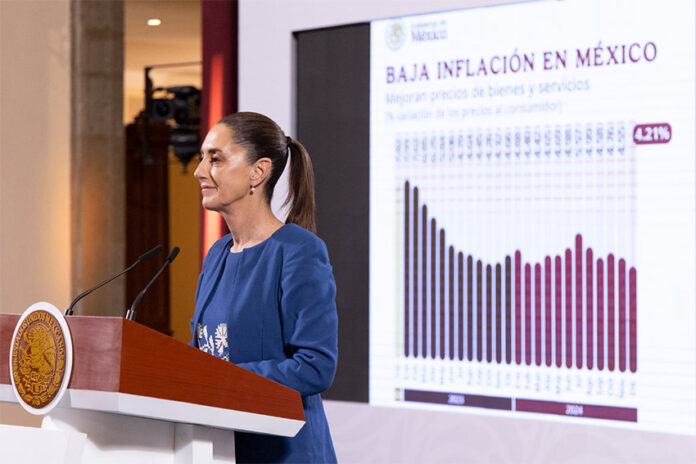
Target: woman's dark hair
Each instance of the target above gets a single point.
(262, 138)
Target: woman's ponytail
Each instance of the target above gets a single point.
(263, 138)
(301, 192)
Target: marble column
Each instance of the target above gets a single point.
(98, 155)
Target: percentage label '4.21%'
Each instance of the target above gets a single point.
(652, 133)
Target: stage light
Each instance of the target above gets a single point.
(181, 109)
(154, 22)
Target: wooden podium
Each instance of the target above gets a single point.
(136, 395)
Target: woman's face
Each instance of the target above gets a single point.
(223, 172)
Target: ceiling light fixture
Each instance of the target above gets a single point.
(153, 22)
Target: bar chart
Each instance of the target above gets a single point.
(517, 270)
(513, 311)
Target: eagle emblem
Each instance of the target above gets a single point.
(38, 358)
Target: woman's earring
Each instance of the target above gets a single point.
(252, 189)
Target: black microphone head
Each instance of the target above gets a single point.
(155, 251)
(172, 254)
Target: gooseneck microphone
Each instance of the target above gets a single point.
(130, 314)
(144, 257)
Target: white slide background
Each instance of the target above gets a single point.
(522, 151)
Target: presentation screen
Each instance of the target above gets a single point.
(532, 212)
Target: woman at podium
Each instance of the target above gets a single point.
(266, 294)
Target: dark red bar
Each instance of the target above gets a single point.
(498, 316)
(508, 310)
(518, 308)
(569, 307)
(489, 315)
(622, 315)
(577, 410)
(459, 399)
(407, 264)
(415, 266)
(479, 310)
(450, 289)
(558, 301)
(578, 300)
(600, 314)
(460, 304)
(424, 285)
(470, 307)
(537, 314)
(442, 293)
(610, 312)
(589, 261)
(547, 305)
(433, 289)
(632, 319)
(527, 314)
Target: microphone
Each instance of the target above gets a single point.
(130, 314)
(142, 258)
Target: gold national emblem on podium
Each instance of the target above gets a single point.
(39, 357)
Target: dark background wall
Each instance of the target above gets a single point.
(333, 117)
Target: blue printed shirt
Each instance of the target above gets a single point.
(271, 309)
